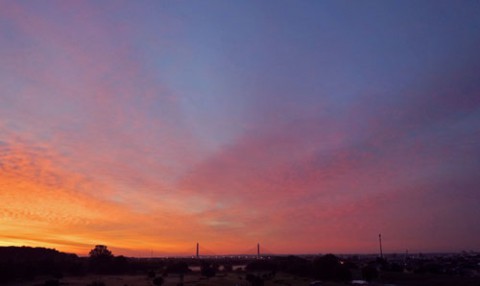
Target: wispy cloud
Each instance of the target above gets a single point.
(135, 126)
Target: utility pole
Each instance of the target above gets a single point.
(258, 250)
(380, 243)
(405, 260)
(198, 250)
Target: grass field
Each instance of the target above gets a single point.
(194, 279)
(238, 279)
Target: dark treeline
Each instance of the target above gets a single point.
(326, 268)
(27, 263)
(24, 253)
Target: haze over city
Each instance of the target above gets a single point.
(307, 126)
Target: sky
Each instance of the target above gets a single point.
(305, 126)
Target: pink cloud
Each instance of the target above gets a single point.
(94, 142)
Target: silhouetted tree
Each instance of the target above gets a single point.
(100, 251)
(100, 259)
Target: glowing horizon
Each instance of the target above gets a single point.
(308, 127)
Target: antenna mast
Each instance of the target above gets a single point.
(380, 243)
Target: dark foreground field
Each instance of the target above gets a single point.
(26, 266)
(193, 279)
(239, 279)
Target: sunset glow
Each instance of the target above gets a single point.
(309, 127)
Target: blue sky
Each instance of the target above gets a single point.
(307, 126)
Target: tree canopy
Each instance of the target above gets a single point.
(100, 251)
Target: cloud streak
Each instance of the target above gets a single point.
(139, 129)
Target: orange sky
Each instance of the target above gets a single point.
(307, 128)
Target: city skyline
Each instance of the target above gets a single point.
(308, 127)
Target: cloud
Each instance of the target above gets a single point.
(311, 181)
(43, 202)
(106, 139)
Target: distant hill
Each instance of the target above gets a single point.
(24, 253)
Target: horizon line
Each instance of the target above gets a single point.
(193, 255)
